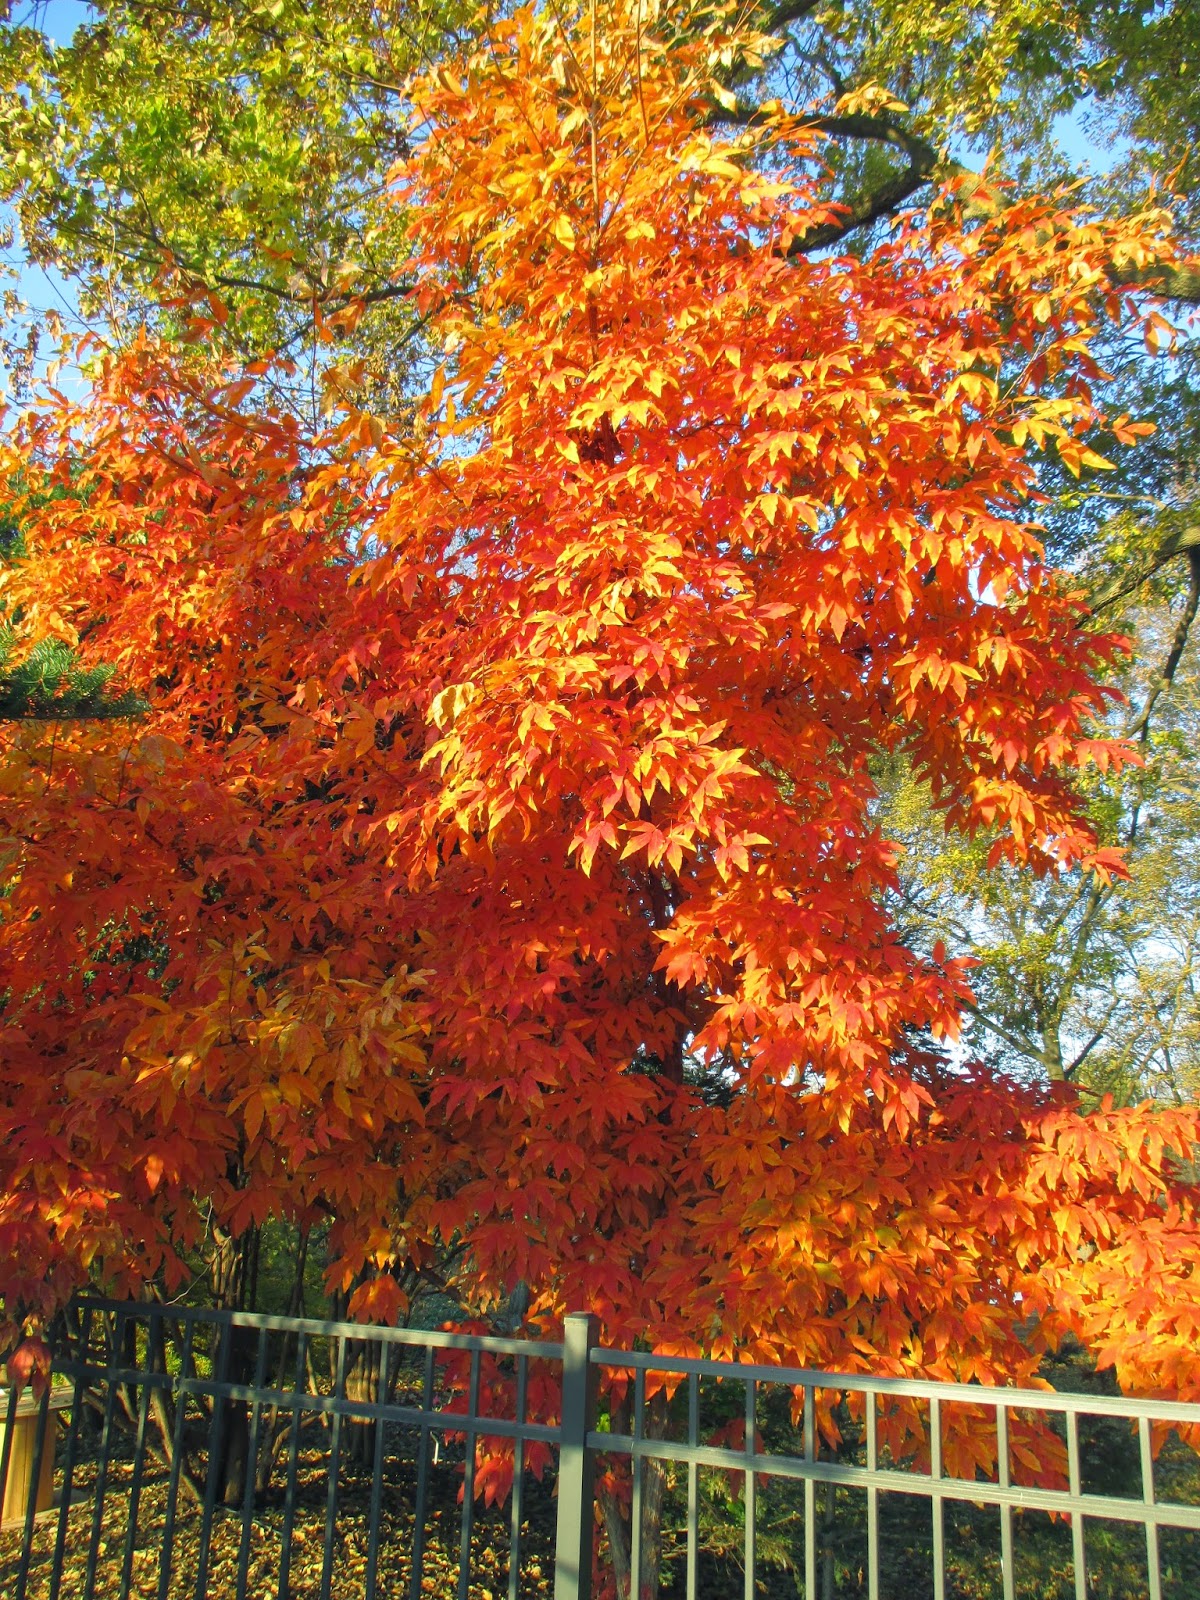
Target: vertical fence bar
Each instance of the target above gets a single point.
(1078, 1549)
(576, 1462)
(335, 1462)
(135, 1487)
(418, 1544)
(937, 1506)
(468, 1510)
(110, 1400)
(64, 1505)
(289, 1492)
(1153, 1560)
(810, 1494)
(518, 1488)
(751, 1490)
(186, 1367)
(381, 1388)
(635, 1510)
(1004, 1472)
(693, 1510)
(249, 1488)
(215, 1441)
(35, 1478)
(872, 1500)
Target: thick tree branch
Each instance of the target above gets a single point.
(1179, 544)
(1014, 1041)
(777, 17)
(924, 165)
(866, 209)
(1179, 282)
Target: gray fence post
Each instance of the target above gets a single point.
(576, 1463)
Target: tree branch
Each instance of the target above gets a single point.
(1140, 728)
(1179, 282)
(1023, 1046)
(1177, 545)
(869, 207)
(1082, 1055)
(924, 164)
(777, 17)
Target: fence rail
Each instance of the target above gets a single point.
(232, 1455)
(1069, 1503)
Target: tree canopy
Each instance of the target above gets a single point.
(499, 859)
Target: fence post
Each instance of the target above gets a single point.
(576, 1463)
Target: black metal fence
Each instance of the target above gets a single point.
(218, 1455)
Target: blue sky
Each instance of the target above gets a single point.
(59, 18)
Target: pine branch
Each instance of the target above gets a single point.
(50, 684)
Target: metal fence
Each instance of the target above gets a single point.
(218, 1455)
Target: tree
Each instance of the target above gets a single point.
(504, 824)
(961, 80)
(187, 864)
(247, 148)
(1088, 981)
(911, 92)
(244, 153)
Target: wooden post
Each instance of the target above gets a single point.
(18, 1484)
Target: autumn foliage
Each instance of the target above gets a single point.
(498, 858)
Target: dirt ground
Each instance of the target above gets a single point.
(440, 1566)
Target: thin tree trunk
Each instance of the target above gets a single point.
(361, 1382)
(235, 1284)
(827, 1573)
(618, 1515)
(363, 1362)
(274, 1432)
(163, 1412)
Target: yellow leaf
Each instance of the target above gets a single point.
(445, 707)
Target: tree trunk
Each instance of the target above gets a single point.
(279, 1429)
(827, 1572)
(1052, 1057)
(618, 1516)
(235, 1285)
(362, 1382)
(364, 1360)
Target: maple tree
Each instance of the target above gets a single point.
(499, 857)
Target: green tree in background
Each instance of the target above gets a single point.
(1080, 980)
(50, 683)
(240, 150)
(249, 143)
(44, 680)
